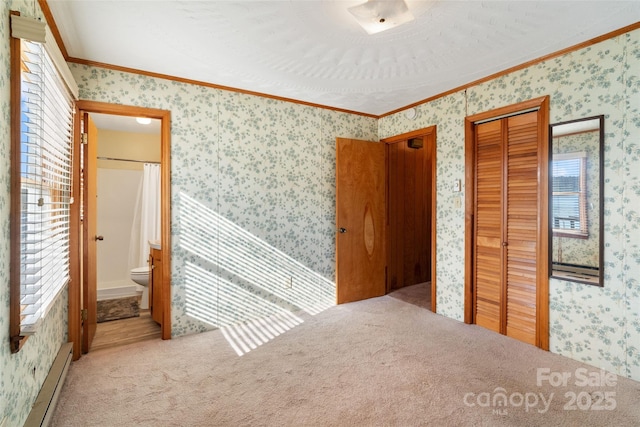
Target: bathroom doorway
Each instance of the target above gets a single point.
(122, 160)
(127, 218)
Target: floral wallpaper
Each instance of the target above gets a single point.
(253, 197)
(570, 250)
(253, 203)
(599, 326)
(628, 270)
(21, 374)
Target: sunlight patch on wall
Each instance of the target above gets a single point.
(247, 321)
(239, 253)
(241, 284)
(218, 302)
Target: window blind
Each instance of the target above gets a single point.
(46, 159)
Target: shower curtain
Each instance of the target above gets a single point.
(146, 222)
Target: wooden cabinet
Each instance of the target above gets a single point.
(155, 285)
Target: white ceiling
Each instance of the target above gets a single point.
(124, 124)
(314, 51)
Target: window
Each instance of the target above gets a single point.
(42, 159)
(569, 216)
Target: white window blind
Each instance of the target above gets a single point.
(46, 159)
(569, 193)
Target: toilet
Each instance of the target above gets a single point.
(140, 275)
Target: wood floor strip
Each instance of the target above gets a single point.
(126, 331)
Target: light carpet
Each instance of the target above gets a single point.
(381, 362)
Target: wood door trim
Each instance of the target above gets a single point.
(430, 131)
(469, 216)
(542, 292)
(504, 196)
(165, 177)
(413, 134)
(75, 285)
(89, 230)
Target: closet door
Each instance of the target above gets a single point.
(488, 253)
(506, 226)
(522, 226)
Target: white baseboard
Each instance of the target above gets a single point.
(45, 403)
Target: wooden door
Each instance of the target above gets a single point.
(360, 216)
(488, 253)
(521, 229)
(508, 229)
(89, 276)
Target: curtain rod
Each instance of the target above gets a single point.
(127, 160)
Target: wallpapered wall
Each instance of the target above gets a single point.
(600, 326)
(19, 384)
(253, 203)
(266, 168)
(253, 189)
(570, 250)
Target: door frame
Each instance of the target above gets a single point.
(89, 231)
(542, 252)
(428, 132)
(75, 285)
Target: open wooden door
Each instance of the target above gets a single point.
(89, 202)
(360, 216)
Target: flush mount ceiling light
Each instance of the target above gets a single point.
(380, 15)
(143, 120)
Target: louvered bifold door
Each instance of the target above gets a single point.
(521, 226)
(488, 226)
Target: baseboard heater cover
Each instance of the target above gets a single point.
(45, 403)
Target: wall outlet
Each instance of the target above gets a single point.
(457, 202)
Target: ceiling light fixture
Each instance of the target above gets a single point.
(143, 120)
(381, 15)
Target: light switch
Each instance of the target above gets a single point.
(456, 185)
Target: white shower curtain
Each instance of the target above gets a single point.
(146, 222)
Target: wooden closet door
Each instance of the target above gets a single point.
(506, 211)
(506, 220)
(488, 253)
(522, 227)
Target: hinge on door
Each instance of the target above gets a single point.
(85, 138)
(84, 314)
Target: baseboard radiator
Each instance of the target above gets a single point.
(45, 403)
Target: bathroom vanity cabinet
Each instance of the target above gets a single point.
(155, 285)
